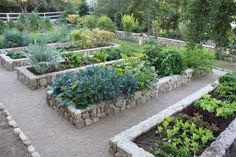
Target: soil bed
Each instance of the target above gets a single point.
(10, 145)
(147, 141)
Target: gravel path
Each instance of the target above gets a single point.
(53, 136)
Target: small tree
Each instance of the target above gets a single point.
(130, 23)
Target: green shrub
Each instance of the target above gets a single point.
(22, 23)
(85, 38)
(83, 9)
(43, 58)
(16, 39)
(2, 27)
(145, 74)
(105, 23)
(200, 59)
(47, 24)
(58, 34)
(73, 18)
(35, 23)
(129, 23)
(10, 25)
(167, 61)
(102, 37)
(93, 85)
(88, 21)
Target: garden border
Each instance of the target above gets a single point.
(122, 35)
(15, 49)
(10, 64)
(122, 145)
(85, 117)
(24, 139)
(38, 81)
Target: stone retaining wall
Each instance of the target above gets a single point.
(121, 35)
(122, 145)
(85, 117)
(10, 64)
(42, 81)
(25, 140)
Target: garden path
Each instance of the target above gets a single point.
(53, 136)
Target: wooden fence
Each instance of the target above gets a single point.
(14, 16)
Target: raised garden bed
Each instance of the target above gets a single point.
(153, 136)
(15, 49)
(10, 64)
(34, 81)
(93, 113)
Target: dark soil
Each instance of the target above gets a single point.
(147, 140)
(10, 144)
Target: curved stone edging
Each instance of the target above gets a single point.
(25, 140)
(85, 117)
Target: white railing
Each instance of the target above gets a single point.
(14, 16)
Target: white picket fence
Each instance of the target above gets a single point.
(14, 16)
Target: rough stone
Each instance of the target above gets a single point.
(35, 154)
(88, 122)
(13, 123)
(31, 149)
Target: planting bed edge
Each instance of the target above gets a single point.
(85, 117)
(10, 64)
(122, 145)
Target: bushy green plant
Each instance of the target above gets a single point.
(200, 59)
(47, 24)
(227, 91)
(167, 61)
(85, 38)
(76, 60)
(130, 23)
(83, 9)
(102, 37)
(2, 27)
(16, 39)
(1, 42)
(180, 138)
(58, 34)
(228, 78)
(10, 24)
(88, 21)
(17, 55)
(94, 85)
(73, 18)
(105, 23)
(35, 23)
(22, 23)
(145, 74)
(212, 105)
(43, 58)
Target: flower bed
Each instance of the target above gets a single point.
(187, 128)
(11, 64)
(93, 113)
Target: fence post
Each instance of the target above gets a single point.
(8, 17)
